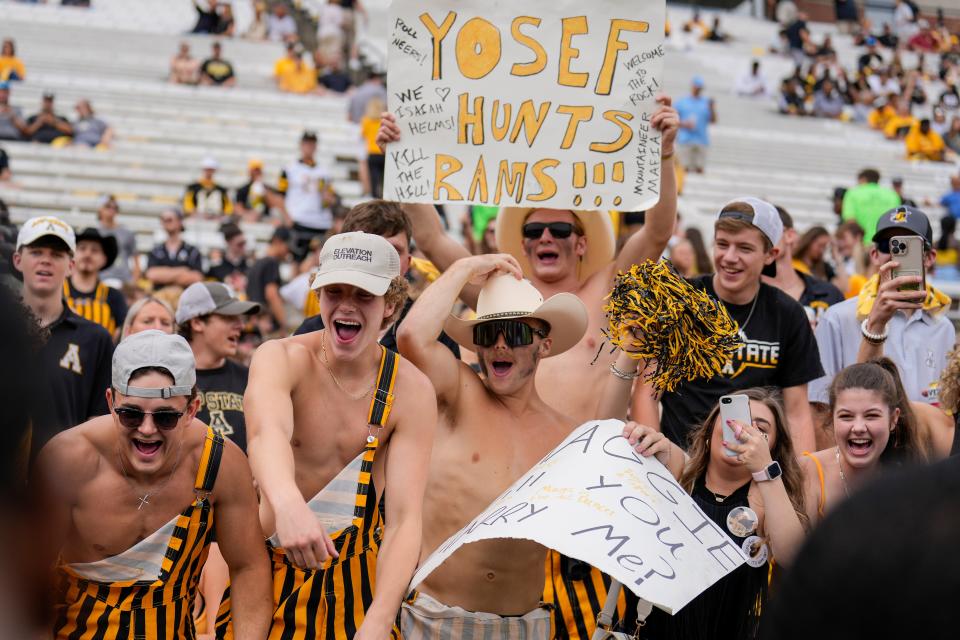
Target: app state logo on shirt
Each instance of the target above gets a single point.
(758, 354)
(218, 402)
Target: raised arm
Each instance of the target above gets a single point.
(651, 240)
(241, 544)
(407, 464)
(418, 333)
(268, 408)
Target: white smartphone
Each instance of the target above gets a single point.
(908, 252)
(733, 407)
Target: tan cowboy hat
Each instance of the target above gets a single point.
(505, 297)
(597, 228)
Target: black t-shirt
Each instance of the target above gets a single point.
(256, 202)
(47, 133)
(263, 272)
(793, 33)
(779, 350)
(336, 81)
(4, 160)
(221, 400)
(185, 256)
(868, 59)
(818, 295)
(389, 340)
(76, 362)
(225, 268)
(218, 70)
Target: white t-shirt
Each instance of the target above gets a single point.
(330, 20)
(280, 28)
(303, 186)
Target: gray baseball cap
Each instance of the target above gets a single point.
(154, 348)
(204, 298)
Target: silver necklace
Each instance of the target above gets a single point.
(843, 478)
(144, 499)
(753, 306)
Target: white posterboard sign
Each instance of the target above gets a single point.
(541, 103)
(593, 498)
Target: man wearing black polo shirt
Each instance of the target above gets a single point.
(813, 294)
(76, 357)
(778, 347)
(173, 261)
(211, 320)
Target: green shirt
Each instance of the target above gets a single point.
(866, 203)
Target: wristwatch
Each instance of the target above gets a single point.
(772, 472)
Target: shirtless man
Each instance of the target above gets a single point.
(494, 427)
(324, 410)
(565, 251)
(135, 497)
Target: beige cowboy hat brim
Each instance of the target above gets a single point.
(564, 312)
(597, 228)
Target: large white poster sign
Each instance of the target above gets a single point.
(540, 103)
(593, 498)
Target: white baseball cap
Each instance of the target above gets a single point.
(210, 163)
(363, 260)
(36, 228)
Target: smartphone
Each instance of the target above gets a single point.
(908, 252)
(733, 407)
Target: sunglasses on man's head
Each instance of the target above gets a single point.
(164, 420)
(560, 230)
(515, 333)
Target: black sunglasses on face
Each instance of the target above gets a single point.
(133, 418)
(515, 333)
(560, 230)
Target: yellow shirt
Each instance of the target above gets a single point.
(896, 123)
(368, 129)
(283, 66)
(303, 80)
(922, 146)
(10, 65)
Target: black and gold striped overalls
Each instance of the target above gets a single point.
(93, 308)
(577, 592)
(160, 608)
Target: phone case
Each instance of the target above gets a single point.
(733, 407)
(908, 252)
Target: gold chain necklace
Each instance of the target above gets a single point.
(326, 364)
(144, 498)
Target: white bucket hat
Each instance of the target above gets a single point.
(504, 297)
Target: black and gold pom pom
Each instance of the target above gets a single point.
(656, 315)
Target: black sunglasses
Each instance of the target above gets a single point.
(560, 230)
(133, 418)
(515, 333)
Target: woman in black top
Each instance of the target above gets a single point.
(722, 486)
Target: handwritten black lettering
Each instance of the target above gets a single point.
(634, 457)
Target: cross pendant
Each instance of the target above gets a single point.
(143, 501)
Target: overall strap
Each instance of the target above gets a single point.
(823, 491)
(209, 463)
(382, 401)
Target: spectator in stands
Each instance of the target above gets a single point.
(923, 143)
(88, 296)
(375, 161)
(715, 33)
(870, 60)
(207, 19)
(868, 201)
(11, 67)
(211, 319)
(917, 337)
(827, 101)
(173, 261)
(792, 98)
(90, 130)
(307, 197)
(333, 77)
(850, 252)
(752, 84)
(951, 200)
(264, 281)
(814, 294)
(254, 199)
(897, 184)
(331, 29)
(298, 76)
(148, 313)
(901, 122)
(372, 87)
(847, 15)
(881, 83)
(952, 137)
(283, 66)
(281, 26)
(234, 262)
(205, 197)
(798, 38)
(904, 20)
(12, 124)
(5, 173)
(258, 26)
(184, 68)
(217, 71)
(697, 113)
(126, 268)
(226, 24)
(887, 37)
(76, 356)
(46, 126)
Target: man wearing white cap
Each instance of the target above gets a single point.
(565, 251)
(76, 356)
(134, 499)
(778, 348)
(494, 427)
(324, 412)
(205, 197)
